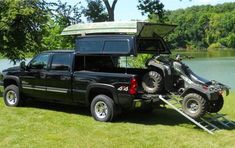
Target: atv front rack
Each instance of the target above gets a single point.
(208, 122)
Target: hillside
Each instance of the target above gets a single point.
(203, 26)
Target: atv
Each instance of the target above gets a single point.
(171, 76)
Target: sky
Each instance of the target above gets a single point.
(127, 9)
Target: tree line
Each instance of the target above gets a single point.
(203, 27)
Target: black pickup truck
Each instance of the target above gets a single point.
(90, 75)
(93, 75)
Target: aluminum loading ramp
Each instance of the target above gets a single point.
(208, 123)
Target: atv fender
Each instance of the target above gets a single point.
(198, 91)
(164, 69)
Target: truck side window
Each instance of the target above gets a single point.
(40, 62)
(61, 61)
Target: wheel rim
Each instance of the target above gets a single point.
(101, 109)
(192, 106)
(11, 97)
(151, 82)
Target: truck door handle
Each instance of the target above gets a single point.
(65, 78)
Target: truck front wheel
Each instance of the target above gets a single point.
(102, 108)
(12, 96)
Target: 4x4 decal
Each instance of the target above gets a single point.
(123, 88)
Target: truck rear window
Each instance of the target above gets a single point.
(95, 63)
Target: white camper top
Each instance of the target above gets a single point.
(142, 29)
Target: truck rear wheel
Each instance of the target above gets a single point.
(102, 108)
(12, 96)
(194, 105)
(216, 105)
(152, 82)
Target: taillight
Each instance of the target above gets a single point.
(133, 87)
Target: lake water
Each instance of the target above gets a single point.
(221, 69)
(5, 63)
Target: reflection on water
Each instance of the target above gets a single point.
(220, 69)
(5, 63)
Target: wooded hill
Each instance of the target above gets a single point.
(201, 27)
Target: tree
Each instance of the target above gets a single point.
(200, 27)
(62, 15)
(153, 8)
(22, 25)
(66, 15)
(95, 11)
(110, 8)
(31, 26)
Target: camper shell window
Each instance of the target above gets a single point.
(152, 46)
(118, 45)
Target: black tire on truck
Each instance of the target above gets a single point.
(152, 82)
(194, 105)
(102, 108)
(216, 105)
(12, 96)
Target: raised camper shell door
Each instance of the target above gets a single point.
(153, 30)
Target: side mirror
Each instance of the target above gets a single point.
(22, 65)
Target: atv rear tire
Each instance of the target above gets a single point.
(152, 82)
(194, 105)
(216, 105)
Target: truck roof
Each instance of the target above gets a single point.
(141, 29)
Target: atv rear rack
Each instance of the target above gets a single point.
(208, 122)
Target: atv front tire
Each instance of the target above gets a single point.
(216, 105)
(152, 82)
(194, 105)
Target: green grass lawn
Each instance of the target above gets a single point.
(48, 125)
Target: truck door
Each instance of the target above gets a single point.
(58, 78)
(33, 79)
